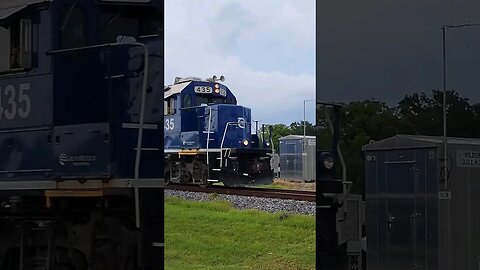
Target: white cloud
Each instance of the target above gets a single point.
(218, 37)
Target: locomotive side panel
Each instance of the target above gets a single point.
(25, 95)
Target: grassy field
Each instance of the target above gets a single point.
(213, 235)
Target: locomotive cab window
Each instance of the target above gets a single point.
(15, 44)
(170, 106)
(187, 101)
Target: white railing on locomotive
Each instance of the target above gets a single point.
(263, 141)
(245, 142)
(268, 143)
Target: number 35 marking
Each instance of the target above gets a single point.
(169, 124)
(14, 99)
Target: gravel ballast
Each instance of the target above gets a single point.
(246, 202)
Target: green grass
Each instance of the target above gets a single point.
(213, 235)
(274, 186)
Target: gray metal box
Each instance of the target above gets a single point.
(414, 219)
(297, 163)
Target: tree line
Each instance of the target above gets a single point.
(295, 128)
(416, 114)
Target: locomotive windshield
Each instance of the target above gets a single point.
(134, 22)
(210, 100)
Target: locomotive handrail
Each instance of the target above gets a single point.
(90, 47)
(208, 132)
(332, 129)
(193, 107)
(209, 126)
(223, 139)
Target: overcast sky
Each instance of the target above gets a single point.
(386, 49)
(264, 48)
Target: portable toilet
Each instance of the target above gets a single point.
(297, 157)
(419, 215)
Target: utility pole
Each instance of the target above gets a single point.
(305, 122)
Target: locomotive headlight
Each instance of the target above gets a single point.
(245, 142)
(217, 91)
(328, 163)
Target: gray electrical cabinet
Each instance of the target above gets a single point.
(297, 157)
(419, 215)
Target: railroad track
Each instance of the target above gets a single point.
(299, 195)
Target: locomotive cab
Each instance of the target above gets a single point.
(69, 77)
(79, 136)
(208, 136)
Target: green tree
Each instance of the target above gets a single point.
(423, 114)
(295, 128)
(279, 130)
(362, 122)
(418, 113)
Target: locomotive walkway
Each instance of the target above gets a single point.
(287, 194)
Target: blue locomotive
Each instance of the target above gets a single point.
(208, 136)
(80, 134)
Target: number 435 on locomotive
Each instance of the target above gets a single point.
(209, 139)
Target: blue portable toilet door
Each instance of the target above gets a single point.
(405, 212)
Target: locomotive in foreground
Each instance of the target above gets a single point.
(208, 137)
(339, 215)
(80, 185)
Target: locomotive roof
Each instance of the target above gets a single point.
(9, 7)
(175, 89)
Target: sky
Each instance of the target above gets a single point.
(386, 49)
(264, 48)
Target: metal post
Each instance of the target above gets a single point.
(445, 138)
(304, 120)
(304, 123)
(445, 164)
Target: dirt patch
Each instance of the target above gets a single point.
(295, 184)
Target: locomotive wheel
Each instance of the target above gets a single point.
(205, 182)
(204, 185)
(167, 178)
